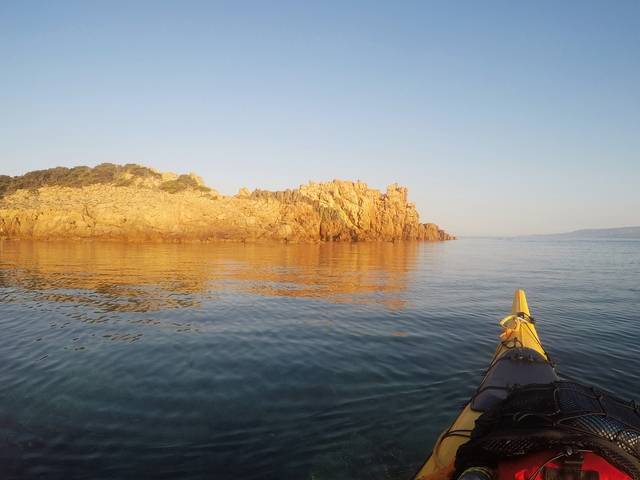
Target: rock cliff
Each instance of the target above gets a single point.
(136, 203)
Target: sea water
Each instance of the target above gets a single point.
(241, 361)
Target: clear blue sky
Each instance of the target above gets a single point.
(501, 117)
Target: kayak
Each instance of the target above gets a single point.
(525, 423)
(519, 331)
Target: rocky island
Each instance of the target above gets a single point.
(135, 203)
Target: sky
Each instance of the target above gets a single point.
(501, 117)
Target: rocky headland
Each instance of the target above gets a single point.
(136, 203)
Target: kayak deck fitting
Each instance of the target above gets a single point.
(519, 359)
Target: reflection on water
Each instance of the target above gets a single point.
(149, 277)
(138, 354)
(321, 362)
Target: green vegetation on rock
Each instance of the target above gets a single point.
(105, 173)
(182, 183)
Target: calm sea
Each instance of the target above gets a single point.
(282, 362)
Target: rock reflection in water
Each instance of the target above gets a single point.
(120, 277)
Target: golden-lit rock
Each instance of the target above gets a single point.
(136, 203)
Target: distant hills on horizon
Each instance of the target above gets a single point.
(587, 233)
(595, 233)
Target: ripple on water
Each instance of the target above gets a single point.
(292, 361)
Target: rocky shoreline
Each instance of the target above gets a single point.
(135, 203)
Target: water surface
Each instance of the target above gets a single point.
(331, 361)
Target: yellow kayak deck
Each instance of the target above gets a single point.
(518, 332)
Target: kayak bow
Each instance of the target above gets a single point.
(518, 335)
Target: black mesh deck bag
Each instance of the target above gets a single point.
(556, 416)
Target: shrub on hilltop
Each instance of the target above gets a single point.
(105, 173)
(182, 183)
